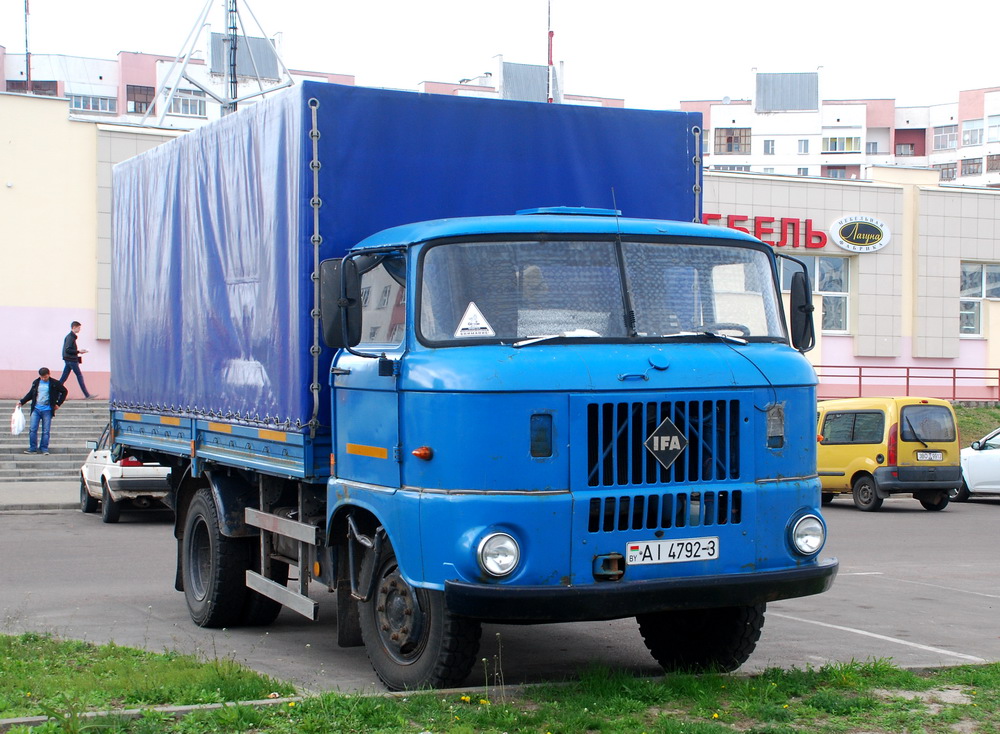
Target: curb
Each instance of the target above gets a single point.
(27, 506)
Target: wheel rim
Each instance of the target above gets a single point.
(399, 618)
(866, 493)
(199, 559)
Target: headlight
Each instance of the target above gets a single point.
(808, 535)
(498, 554)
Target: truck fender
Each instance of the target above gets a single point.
(233, 493)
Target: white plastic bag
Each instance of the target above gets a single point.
(16, 421)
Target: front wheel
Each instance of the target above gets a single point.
(702, 639)
(866, 498)
(411, 639)
(961, 494)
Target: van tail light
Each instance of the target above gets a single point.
(893, 444)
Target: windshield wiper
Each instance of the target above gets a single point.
(548, 337)
(724, 337)
(915, 434)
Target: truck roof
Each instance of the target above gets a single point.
(560, 221)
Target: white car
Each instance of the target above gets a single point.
(111, 481)
(980, 468)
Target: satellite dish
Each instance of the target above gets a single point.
(726, 100)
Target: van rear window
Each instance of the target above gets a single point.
(926, 423)
(854, 427)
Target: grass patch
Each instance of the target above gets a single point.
(974, 423)
(71, 678)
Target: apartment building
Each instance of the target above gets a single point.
(789, 129)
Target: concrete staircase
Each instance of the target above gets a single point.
(75, 423)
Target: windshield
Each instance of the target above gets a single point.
(506, 291)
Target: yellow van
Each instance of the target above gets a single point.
(877, 447)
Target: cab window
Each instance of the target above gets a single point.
(853, 427)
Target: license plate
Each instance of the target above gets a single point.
(671, 551)
(929, 456)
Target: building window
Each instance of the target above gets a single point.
(836, 172)
(979, 281)
(803, 171)
(139, 99)
(366, 293)
(705, 144)
(841, 145)
(947, 170)
(871, 148)
(905, 149)
(993, 163)
(188, 103)
(730, 168)
(993, 129)
(768, 170)
(732, 140)
(41, 89)
(93, 104)
(830, 277)
(972, 132)
(803, 147)
(972, 166)
(946, 137)
(768, 147)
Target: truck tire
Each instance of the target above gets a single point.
(411, 639)
(88, 504)
(213, 565)
(866, 498)
(258, 610)
(110, 510)
(702, 639)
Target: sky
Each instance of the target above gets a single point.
(652, 53)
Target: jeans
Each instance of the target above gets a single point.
(45, 418)
(74, 367)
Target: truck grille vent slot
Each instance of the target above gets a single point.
(616, 433)
(660, 511)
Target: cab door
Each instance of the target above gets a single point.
(365, 388)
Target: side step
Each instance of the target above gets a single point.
(283, 595)
(306, 535)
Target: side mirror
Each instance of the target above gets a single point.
(91, 445)
(340, 303)
(803, 331)
(976, 446)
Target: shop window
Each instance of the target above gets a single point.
(830, 278)
(979, 281)
(732, 140)
(946, 137)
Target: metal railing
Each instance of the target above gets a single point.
(948, 383)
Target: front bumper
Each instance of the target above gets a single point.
(615, 600)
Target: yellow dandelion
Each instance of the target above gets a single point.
(715, 716)
(466, 699)
(484, 702)
(785, 706)
(291, 703)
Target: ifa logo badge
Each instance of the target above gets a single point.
(666, 443)
(858, 233)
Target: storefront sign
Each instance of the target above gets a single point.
(858, 233)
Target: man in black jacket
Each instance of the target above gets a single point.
(72, 359)
(45, 396)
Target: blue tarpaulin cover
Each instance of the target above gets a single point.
(212, 261)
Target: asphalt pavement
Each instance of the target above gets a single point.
(57, 495)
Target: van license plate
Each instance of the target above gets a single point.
(671, 551)
(930, 456)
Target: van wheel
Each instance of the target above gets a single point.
(702, 639)
(961, 494)
(411, 639)
(936, 503)
(866, 498)
(828, 497)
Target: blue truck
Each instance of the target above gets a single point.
(463, 361)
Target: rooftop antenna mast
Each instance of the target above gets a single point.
(27, 53)
(548, 86)
(240, 63)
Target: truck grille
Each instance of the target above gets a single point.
(616, 455)
(669, 510)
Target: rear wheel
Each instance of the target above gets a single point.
(934, 503)
(110, 510)
(828, 497)
(411, 639)
(866, 498)
(87, 503)
(214, 566)
(702, 639)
